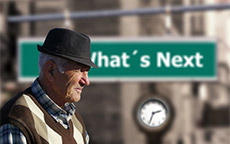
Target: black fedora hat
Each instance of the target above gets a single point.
(68, 44)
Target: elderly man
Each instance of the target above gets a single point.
(44, 112)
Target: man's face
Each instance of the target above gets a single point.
(68, 86)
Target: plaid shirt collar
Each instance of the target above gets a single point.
(60, 115)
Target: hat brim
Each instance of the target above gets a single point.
(87, 62)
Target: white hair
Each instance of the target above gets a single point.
(43, 58)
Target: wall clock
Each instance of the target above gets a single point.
(153, 114)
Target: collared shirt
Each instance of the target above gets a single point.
(60, 115)
(10, 134)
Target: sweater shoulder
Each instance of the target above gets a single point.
(27, 114)
(22, 108)
(7, 108)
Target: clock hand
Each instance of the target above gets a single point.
(151, 117)
(157, 111)
(153, 114)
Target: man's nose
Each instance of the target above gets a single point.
(85, 78)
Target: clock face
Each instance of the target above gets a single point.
(152, 113)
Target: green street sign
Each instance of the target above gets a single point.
(141, 59)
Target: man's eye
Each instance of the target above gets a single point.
(84, 69)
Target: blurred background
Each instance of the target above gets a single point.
(201, 108)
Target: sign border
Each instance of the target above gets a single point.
(132, 39)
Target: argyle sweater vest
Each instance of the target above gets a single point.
(25, 112)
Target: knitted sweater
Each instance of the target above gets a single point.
(25, 112)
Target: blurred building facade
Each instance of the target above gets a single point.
(201, 108)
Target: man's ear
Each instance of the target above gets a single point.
(48, 69)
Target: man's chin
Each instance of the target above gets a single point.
(73, 98)
(76, 98)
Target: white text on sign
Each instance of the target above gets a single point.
(163, 60)
(179, 61)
